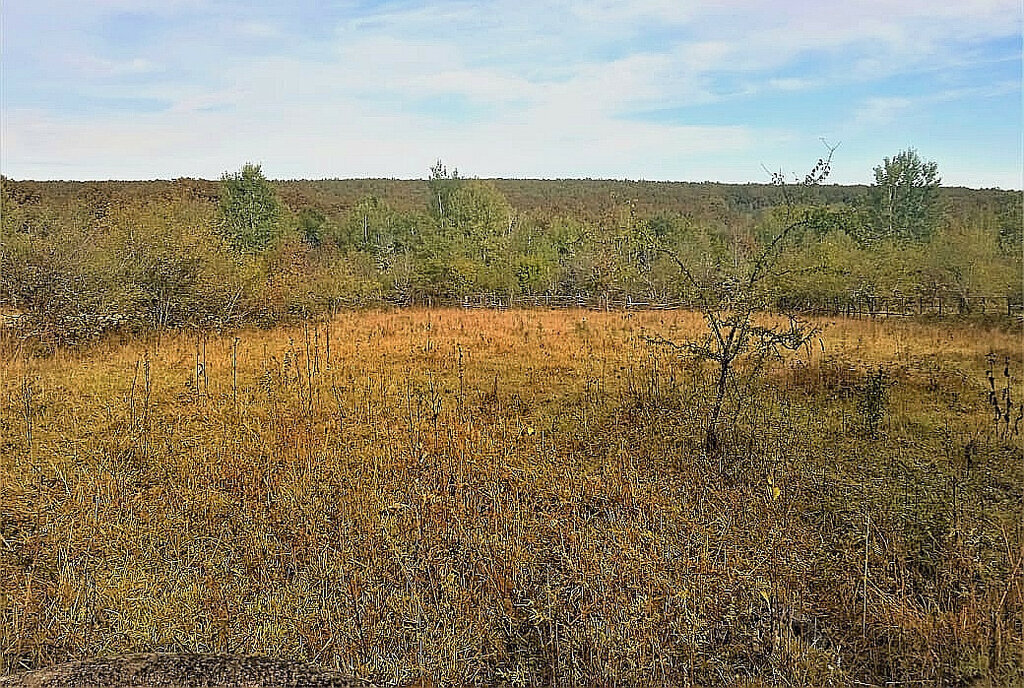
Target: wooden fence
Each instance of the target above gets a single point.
(889, 306)
(23, 324)
(850, 306)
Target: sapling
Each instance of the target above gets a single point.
(731, 299)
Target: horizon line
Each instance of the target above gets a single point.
(621, 180)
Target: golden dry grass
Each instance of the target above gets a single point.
(518, 497)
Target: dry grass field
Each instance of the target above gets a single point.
(520, 498)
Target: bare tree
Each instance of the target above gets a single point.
(732, 299)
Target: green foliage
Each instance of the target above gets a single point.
(140, 266)
(904, 198)
(1010, 219)
(373, 226)
(84, 258)
(443, 186)
(826, 267)
(250, 214)
(479, 210)
(312, 225)
(11, 214)
(967, 261)
(823, 220)
(468, 248)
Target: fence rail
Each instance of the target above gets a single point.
(935, 306)
(28, 324)
(851, 306)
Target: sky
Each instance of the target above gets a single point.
(646, 89)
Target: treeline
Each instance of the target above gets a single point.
(81, 258)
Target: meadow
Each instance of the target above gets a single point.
(519, 497)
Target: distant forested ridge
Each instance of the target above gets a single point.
(81, 258)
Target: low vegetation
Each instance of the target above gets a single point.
(517, 497)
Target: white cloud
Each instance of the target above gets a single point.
(881, 111)
(344, 137)
(541, 85)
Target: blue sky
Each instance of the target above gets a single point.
(644, 89)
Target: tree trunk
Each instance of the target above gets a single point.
(711, 443)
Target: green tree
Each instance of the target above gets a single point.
(443, 186)
(1010, 218)
(904, 197)
(370, 224)
(311, 225)
(249, 211)
(480, 220)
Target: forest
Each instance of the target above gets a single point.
(79, 259)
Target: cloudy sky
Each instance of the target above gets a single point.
(644, 89)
